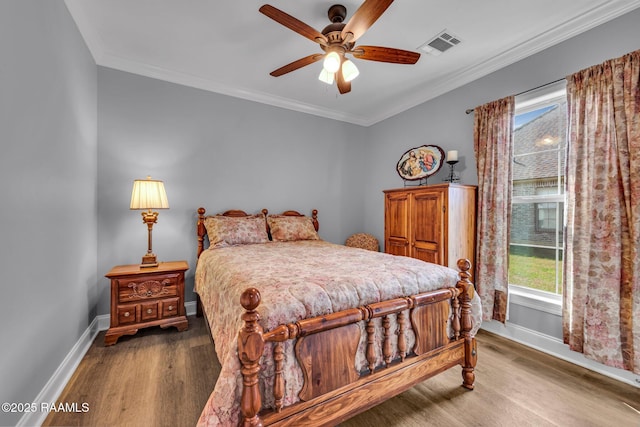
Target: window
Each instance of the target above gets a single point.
(535, 255)
(549, 216)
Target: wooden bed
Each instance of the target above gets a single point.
(326, 348)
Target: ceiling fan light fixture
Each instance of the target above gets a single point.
(349, 71)
(326, 77)
(332, 62)
(339, 39)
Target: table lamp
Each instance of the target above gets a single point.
(149, 194)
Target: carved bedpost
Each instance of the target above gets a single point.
(470, 352)
(314, 219)
(265, 212)
(200, 230)
(250, 348)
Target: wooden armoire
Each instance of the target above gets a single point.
(434, 223)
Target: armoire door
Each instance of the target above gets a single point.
(428, 227)
(397, 224)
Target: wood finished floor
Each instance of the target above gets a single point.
(164, 378)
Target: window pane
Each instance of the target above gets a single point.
(549, 220)
(535, 258)
(536, 268)
(537, 224)
(539, 147)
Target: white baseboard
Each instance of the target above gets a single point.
(190, 307)
(557, 348)
(62, 375)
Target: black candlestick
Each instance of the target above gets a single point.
(453, 177)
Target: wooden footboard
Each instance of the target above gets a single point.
(326, 348)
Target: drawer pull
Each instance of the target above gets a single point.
(149, 311)
(149, 293)
(127, 314)
(170, 308)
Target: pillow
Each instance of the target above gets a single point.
(230, 231)
(289, 228)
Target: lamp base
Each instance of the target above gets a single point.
(149, 260)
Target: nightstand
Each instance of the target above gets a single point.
(142, 297)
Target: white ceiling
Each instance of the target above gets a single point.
(228, 47)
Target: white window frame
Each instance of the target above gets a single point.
(529, 297)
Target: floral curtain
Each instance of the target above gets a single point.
(602, 267)
(493, 145)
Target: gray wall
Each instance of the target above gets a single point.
(217, 152)
(225, 153)
(442, 121)
(74, 139)
(48, 117)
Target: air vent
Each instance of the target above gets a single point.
(440, 43)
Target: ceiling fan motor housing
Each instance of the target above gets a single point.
(337, 13)
(333, 32)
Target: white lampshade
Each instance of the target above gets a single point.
(332, 62)
(148, 194)
(326, 77)
(349, 71)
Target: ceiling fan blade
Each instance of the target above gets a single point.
(364, 17)
(293, 24)
(385, 54)
(343, 86)
(302, 62)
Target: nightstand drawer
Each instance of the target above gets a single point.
(148, 287)
(148, 311)
(131, 295)
(127, 314)
(170, 307)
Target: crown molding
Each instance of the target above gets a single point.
(185, 79)
(603, 12)
(588, 20)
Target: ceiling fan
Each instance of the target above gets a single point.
(338, 39)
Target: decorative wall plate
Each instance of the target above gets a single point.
(420, 162)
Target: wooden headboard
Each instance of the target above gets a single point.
(201, 230)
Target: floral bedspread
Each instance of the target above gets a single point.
(296, 280)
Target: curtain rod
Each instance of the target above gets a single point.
(470, 110)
